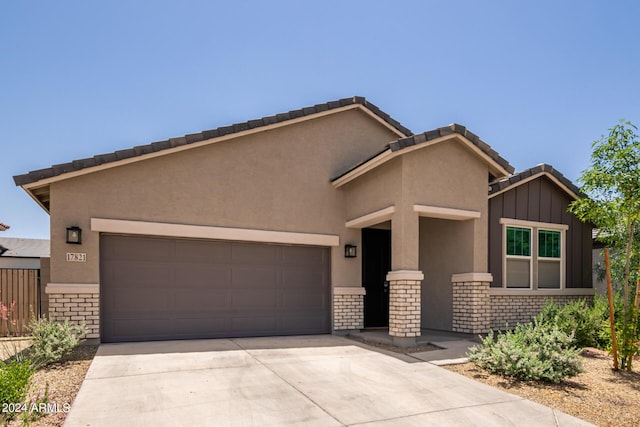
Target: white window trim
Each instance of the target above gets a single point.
(506, 257)
(535, 227)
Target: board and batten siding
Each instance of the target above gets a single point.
(540, 200)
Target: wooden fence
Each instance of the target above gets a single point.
(19, 295)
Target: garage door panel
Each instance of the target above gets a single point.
(125, 248)
(255, 277)
(256, 324)
(251, 254)
(303, 301)
(254, 300)
(301, 278)
(194, 299)
(145, 274)
(161, 288)
(300, 255)
(197, 251)
(201, 276)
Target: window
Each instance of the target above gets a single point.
(533, 254)
(518, 257)
(549, 259)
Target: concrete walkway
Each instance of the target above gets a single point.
(454, 346)
(310, 380)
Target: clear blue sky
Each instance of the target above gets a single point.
(539, 81)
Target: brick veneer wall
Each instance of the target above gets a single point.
(80, 308)
(471, 309)
(348, 312)
(512, 309)
(404, 308)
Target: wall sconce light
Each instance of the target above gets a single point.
(74, 235)
(350, 251)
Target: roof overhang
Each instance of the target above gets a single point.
(549, 175)
(495, 168)
(39, 191)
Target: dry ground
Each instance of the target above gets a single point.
(598, 395)
(65, 379)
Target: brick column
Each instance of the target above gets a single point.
(348, 309)
(78, 303)
(471, 303)
(404, 306)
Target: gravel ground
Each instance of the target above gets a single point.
(65, 379)
(598, 395)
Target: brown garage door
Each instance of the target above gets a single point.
(160, 289)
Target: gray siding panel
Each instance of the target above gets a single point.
(541, 200)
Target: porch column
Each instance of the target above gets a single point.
(404, 306)
(405, 278)
(471, 302)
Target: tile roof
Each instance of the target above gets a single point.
(140, 150)
(447, 130)
(24, 248)
(420, 138)
(502, 184)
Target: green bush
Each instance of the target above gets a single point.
(537, 351)
(51, 340)
(579, 318)
(14, 383)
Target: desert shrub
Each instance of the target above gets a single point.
(51, 340)
(14, 383)
(580, 318)
(536, 351)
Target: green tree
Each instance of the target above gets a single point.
(612, 186)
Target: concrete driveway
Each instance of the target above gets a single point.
(310, 380)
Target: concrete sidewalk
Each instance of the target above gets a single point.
(310, 380)
(453, 346)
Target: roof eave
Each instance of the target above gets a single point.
(495, 167)
(71, 170)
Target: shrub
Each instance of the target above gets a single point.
(14, 383)
(537, 351)
(579, 318)
(51, 341)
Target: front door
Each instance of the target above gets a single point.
(376, 263)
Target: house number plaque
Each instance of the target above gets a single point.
(76, 257)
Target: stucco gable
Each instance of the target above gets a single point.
(498, 166)
(36, 183)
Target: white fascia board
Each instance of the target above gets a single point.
(445, 213)
(371, 218)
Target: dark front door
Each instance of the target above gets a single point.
(376, 263)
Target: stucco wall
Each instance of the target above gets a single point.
(449, 175)
(274, 180)
(444, 250)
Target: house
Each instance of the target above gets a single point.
(326, 219)
(22, 253)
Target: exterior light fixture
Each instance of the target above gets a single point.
(74, 235)
(350, 251)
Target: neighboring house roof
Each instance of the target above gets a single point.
(501, 185)
(4, 227)
(501, 166)
(36, 183)
(24, 248)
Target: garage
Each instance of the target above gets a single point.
(167, 288)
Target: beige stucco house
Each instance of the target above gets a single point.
(326, 219)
